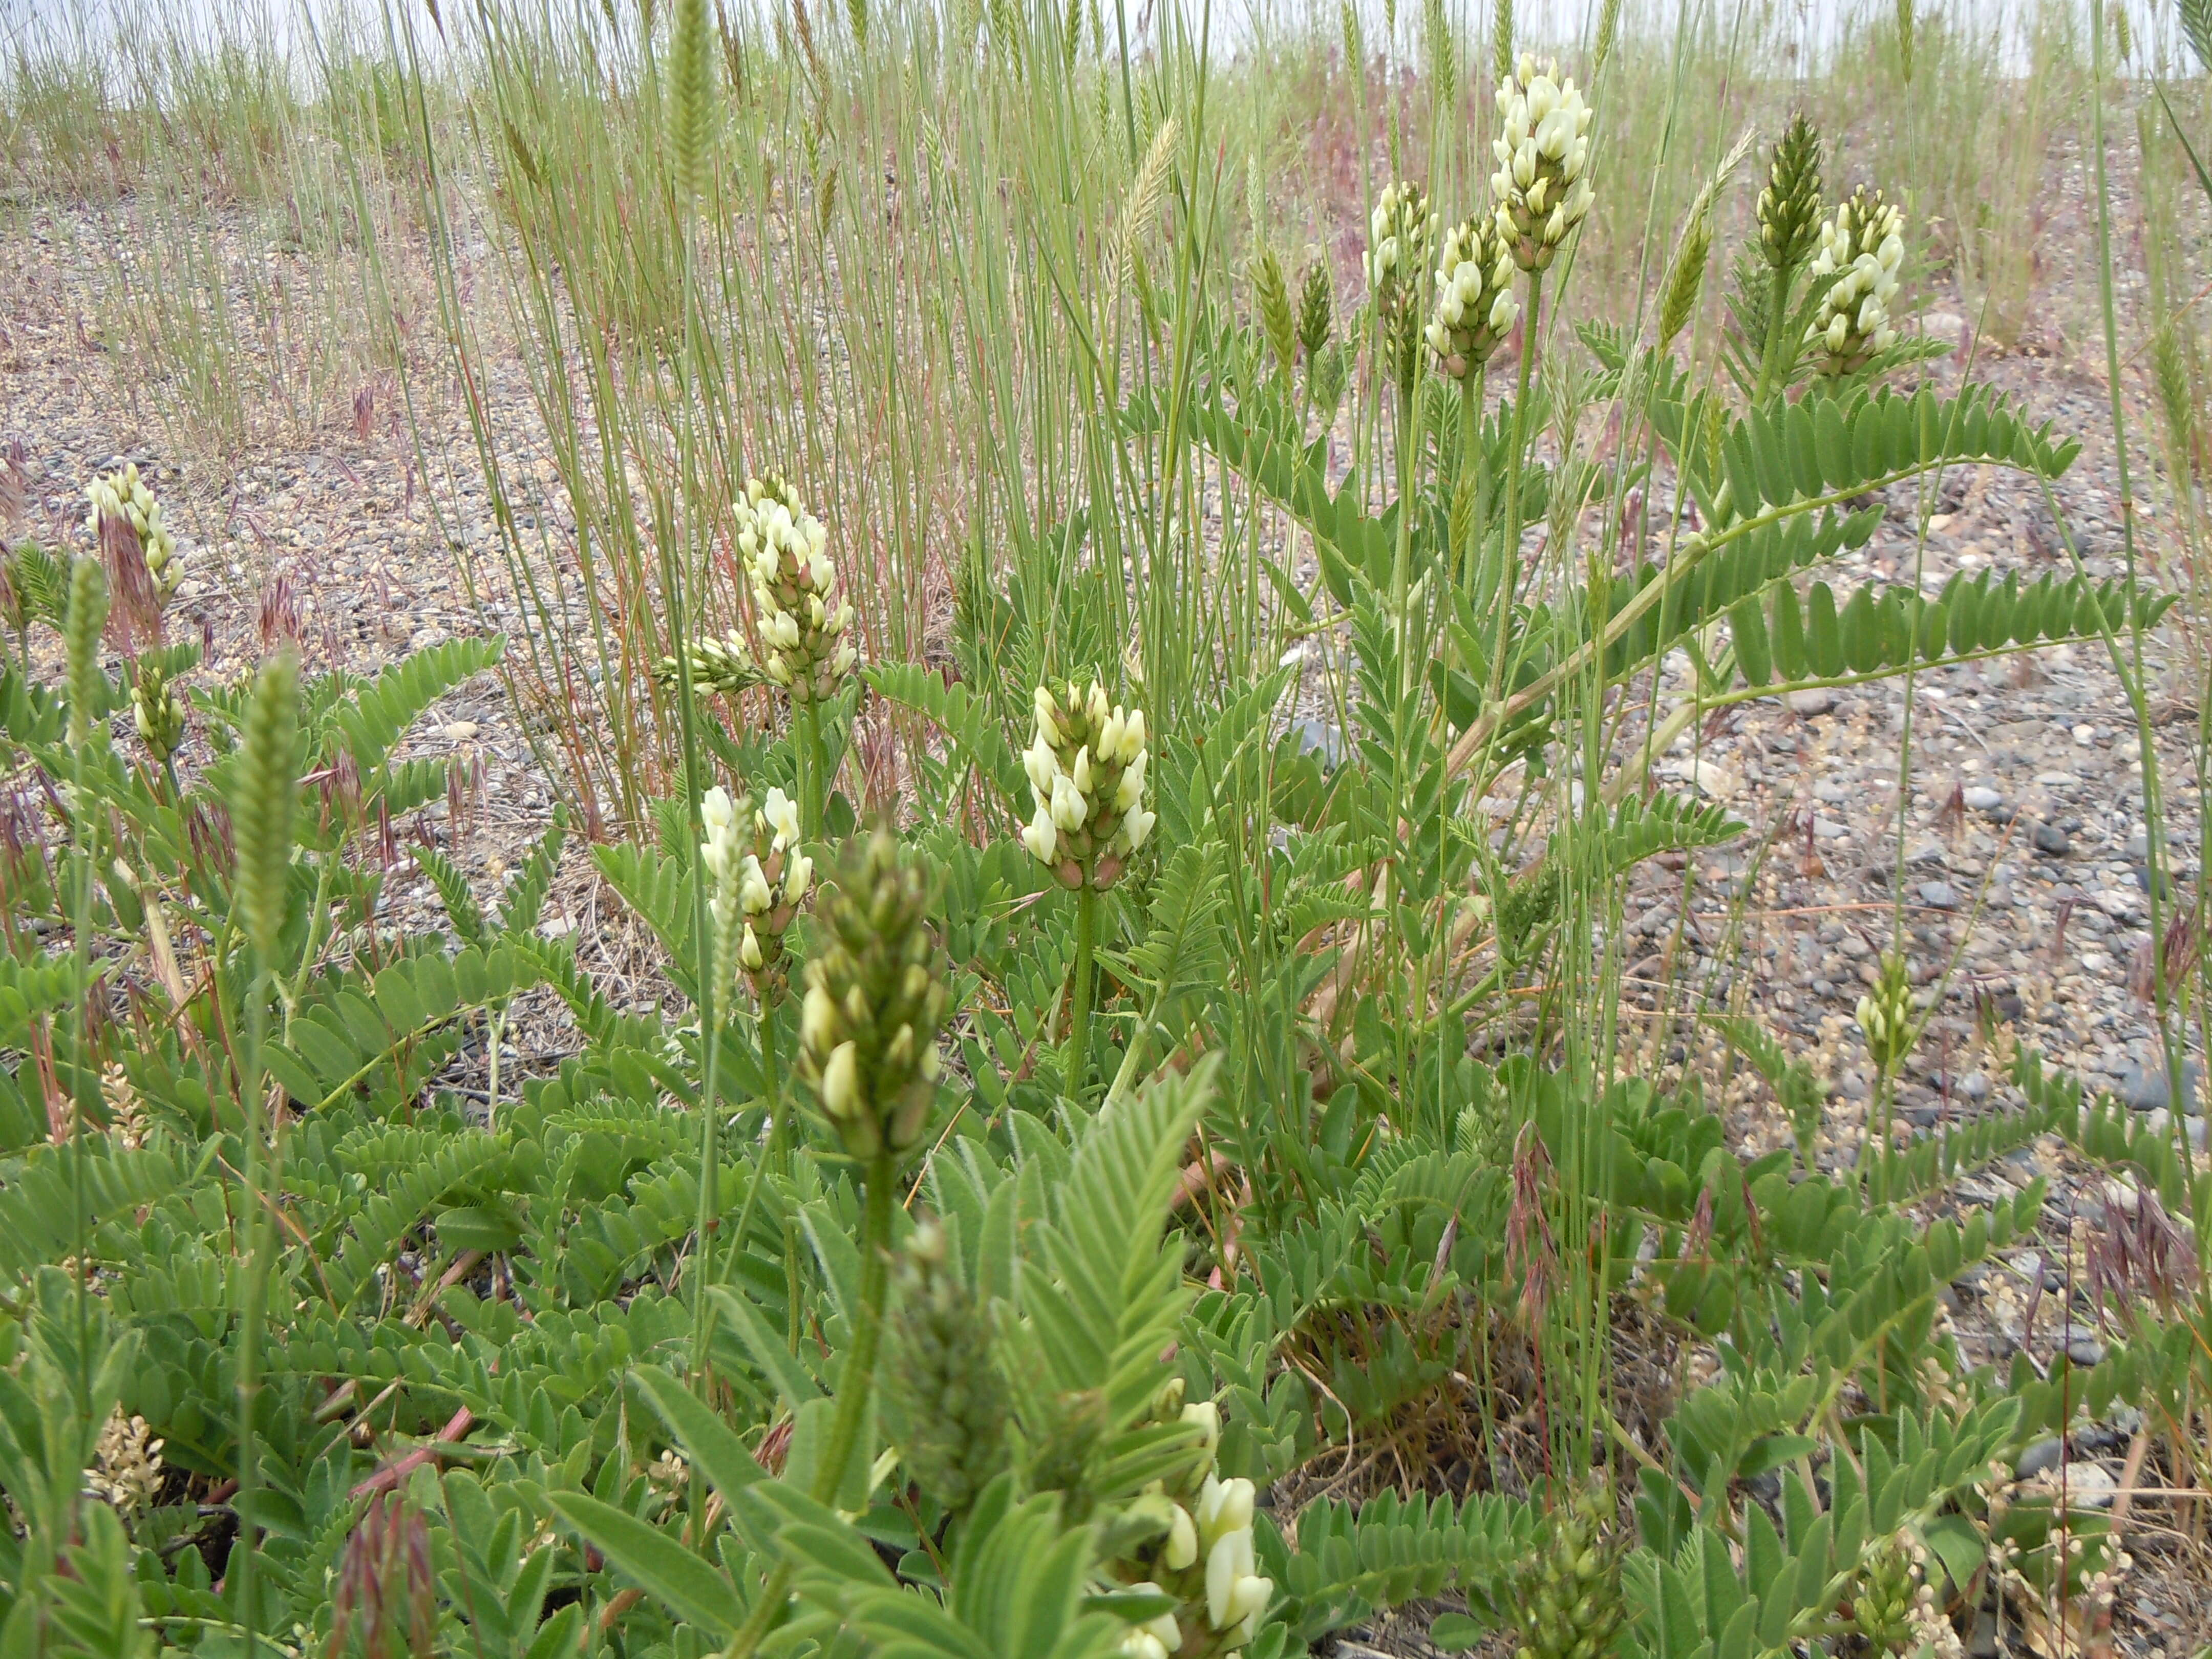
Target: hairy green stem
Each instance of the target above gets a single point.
(1778, 316)
(857, 1375)
(854, 1381)
(1516, 459)
(816, 796)
(765, 1026)
(244, 1552)
(1471, 459)
(1078, 996)
(1402, 555)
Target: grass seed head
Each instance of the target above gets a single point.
(1316, 308)
(87, 615)
(693, 110)
(263, 799)
(1271, 296)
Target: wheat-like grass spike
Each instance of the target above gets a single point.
(87, 615)
(263, 797)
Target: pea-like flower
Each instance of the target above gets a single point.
(1401, 240)
(1542, 185)
(1236, 1595)
(804, 620)
(1884, 1014)
(1862, 248)
(121, 502)
(1566, 1592)
(760, 879)
(876, 997)
(1086, 767)
(1156, 1637)
(156, 711)
(1400, 232)
(1197, 1548)
(1475, 308)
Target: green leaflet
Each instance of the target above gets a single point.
(1881, 629)
(678, 1577)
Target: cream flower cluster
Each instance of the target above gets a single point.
(124, 496)
(804, 622)
(1542, 185)
(1086, 770)
(726, 666)
(760, 879)
(1885, 1014)
(1861, 248)
(1399, 234)
(1209, 1540)
(1475, 305)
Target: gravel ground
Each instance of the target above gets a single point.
(2024, 870)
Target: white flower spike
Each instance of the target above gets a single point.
(1086, 767)
(1542, 185)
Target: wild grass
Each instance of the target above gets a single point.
(1059, 319)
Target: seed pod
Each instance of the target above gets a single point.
(87, 615)
(263, 798)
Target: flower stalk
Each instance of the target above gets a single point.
(261, 811)
(1086, 767)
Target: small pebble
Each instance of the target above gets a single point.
(2143, 1088)
(1938, 895)
(1815, 699)
(2051, 840)
(1983, 798)
(2088, 1486)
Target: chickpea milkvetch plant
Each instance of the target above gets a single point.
(1186, 1207)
